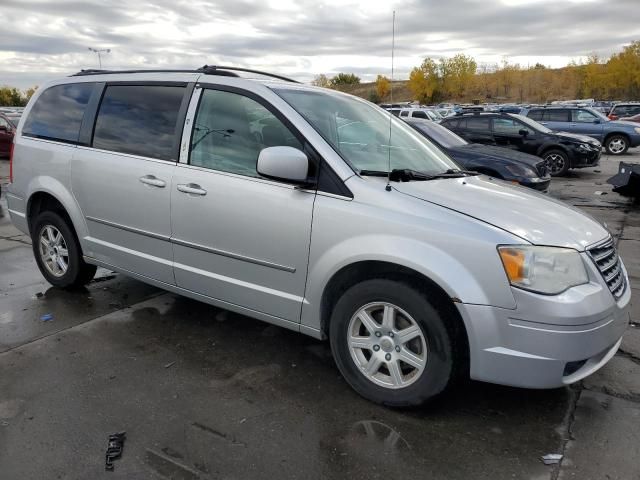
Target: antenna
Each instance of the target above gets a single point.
(393, 46)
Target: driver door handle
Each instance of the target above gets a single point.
(191, 188)
(153, 181)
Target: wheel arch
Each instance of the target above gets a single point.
(356, 272)
(621, 134)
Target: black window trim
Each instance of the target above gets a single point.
(84, 117)
(322, 169)
(182, 114)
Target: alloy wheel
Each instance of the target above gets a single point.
(617, 146)
(555, 163)
(387, 345)
(53, 251)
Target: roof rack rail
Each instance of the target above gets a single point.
(206, 69)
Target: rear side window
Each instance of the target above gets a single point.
(535, 115)
(58, 111)
(480, 124)
(140, 120)
(556, 116)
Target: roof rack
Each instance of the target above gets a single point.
(206, 69)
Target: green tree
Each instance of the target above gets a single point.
(11, 97)
(345, 79)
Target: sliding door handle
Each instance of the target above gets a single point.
(192, 188)
(153, 181)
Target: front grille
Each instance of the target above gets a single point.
(542, 169)
(606, 259)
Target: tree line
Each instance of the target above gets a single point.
(12, 97)
(461, 79)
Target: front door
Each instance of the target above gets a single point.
(237, 237)
(123, 180)
(587, 123)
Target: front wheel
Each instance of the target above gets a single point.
(58, 253)
(617, 145)
(557, 162)
(391, 343)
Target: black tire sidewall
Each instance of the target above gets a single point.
(615, 137)
(75, 256)
(439, 368)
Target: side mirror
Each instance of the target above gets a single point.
(523, 132)
(283, 163)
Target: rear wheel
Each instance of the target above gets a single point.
(391, 343)
(58, 253)
(617, 145)
(557, 162)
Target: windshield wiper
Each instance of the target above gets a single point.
(408, 175)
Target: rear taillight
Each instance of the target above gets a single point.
(11, 162)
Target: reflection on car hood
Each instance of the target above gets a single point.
(522, 212)
(577, 137)
(478, 150)
(625, 123)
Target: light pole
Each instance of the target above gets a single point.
(99, 51)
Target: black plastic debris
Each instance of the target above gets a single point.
(627, 181)
(114, 449)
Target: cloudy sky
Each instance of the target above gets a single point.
(44, 39)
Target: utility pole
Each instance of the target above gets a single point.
(99, 51)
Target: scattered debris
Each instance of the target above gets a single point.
(598, 192)
(39, 295)
(552, 458)
(597, 171)
(169, 365)
(243, 420)
(627, 181)
(47, 317)
(114, 449)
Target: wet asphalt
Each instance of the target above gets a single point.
(207, 394)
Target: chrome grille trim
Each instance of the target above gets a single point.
(606, 258)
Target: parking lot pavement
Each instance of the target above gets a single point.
(203, 393)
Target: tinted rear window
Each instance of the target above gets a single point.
(480, 124)
(58, 111)
(556, 116)
(139, 119)
(535, 115)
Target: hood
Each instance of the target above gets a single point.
(501, 153)
(534, 217)
(576, 137)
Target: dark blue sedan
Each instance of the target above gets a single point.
(503, 163)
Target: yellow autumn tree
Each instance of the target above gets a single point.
(383, 87)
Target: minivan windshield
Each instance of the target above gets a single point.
(440, 134)
(359, 131)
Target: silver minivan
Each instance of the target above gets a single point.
(319, 212)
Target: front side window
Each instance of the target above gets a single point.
(583, 116)
(230, 130)
(58, 111)
(506, 126)
(365, 136)
(140, 120)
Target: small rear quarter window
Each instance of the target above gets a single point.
(58, 111)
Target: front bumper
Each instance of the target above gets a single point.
(547, 341)
(582, 159)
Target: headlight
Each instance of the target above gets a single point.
(637, 129)
(520, 171)
(547, 270)
(584, 146)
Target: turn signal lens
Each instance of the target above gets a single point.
(513, 261)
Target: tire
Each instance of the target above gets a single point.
(616, 145)
(433, 345)
(557, 162)
(56, 234)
